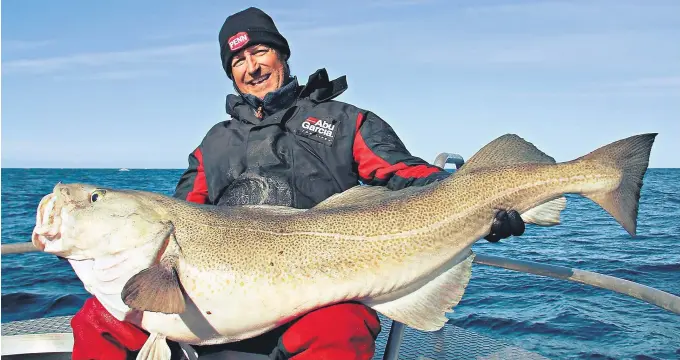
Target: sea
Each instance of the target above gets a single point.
(555, 318)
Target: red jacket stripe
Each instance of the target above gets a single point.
(370, 163)
(418, 171)
(199, 192)
(367, 160)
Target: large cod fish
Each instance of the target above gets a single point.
(202, 274)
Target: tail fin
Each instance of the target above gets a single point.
(631, 156)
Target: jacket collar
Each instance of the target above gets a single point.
(318, 89)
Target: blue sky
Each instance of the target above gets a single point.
(138, 83)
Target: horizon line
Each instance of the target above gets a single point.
(183, 168)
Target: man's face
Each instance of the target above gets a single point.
(257, 70)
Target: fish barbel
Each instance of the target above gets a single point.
(203, 274)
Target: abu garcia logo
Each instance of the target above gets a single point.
(319, 126)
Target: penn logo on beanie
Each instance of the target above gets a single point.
(237, 41)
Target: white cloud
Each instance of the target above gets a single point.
(114, 75)
(100, 59)
(658, 86)
(397, 3)
(112, 61)
(21, 45)
(604, 12)
(653, 82)
(324, 31)
(606, 51)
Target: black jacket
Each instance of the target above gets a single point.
(301, 153)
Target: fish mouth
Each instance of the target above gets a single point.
(48, 224)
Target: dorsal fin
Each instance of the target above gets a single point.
(363, 195)
(508, 149)
(511, 149)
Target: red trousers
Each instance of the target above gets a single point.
(342, 331)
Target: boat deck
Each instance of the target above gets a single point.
(451, 342)
(51, 338)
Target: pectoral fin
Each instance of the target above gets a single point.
(546, 214)
(155, 348)
(155, 289)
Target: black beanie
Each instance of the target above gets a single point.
(248, 27)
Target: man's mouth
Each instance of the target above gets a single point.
(259, 80)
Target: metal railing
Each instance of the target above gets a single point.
(648, 294)
(18, 248)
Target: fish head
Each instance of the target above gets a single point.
(80, 221)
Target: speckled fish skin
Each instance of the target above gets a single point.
(245, 270)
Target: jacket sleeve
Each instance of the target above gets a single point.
(192, 185)
(382, 159)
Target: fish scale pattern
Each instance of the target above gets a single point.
(452, 342)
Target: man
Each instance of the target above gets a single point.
(288, 145)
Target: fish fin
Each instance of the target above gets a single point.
(155, 348)
(156, 289)
(269, 209)
(364, 195)
(508, 149)
(546, 214)
(631, 157)
(425, 309)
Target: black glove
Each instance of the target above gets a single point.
(505, 224)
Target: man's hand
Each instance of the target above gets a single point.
(505, 224)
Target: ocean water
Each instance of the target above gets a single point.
(556, 318)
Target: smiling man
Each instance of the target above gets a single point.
(258, 70)
(289, 145)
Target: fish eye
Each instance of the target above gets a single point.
(96, 195)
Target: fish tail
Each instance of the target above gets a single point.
(630, 156)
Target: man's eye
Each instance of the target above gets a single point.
(237, 62)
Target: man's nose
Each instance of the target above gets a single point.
(251, 64)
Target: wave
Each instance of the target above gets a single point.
(567, 323)
(26, 305)
(672, 267)
(594, 356)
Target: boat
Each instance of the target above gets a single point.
(51, 338)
